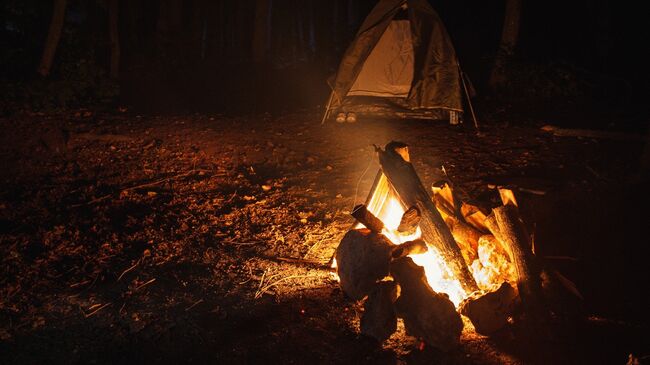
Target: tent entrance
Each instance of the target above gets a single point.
(388, 70)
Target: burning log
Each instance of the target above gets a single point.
(409, 222)
(489, 312)
(361, 214)
(410, 248)
(406, 183)
(505, 224)
(466, 236)
(362, 258)
(427, 314)
(379, 319)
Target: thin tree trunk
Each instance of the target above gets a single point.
(114, 36)
(312, 32)
(53, 36)
(509, 38)
(260, 36)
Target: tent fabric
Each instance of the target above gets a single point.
(435, 80)
(388, 71)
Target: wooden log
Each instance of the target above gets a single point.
(410, 248)
(512, 234)
(379, 319)
(362, 258)
(489, 311)
(426, 314)
(365, 217)
(411, 192)
(410, 221)
(466, 237)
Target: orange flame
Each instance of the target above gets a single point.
(489, 269)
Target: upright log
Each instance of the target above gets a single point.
(505, 224)
(518, 247)
(406, 183)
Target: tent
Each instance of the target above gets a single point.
(401, 63)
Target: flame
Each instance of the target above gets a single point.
(386, 206)
(492, 265)
(490, 269)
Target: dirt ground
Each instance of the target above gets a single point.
(206, 238)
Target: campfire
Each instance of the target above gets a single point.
(427, 258)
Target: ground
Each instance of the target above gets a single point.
(207, 238)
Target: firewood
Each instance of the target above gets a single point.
(426, 314)
(365, 217)
(518, 247)
(466, 236)
(362, 258)
(409, 248)
(409, 222)
(474, 216)
(489, 311)
(511, 232)
(411, 192)
(379, 319)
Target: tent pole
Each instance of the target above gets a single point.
(327, 109)
(469, 100)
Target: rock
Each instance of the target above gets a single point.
(489, 312)
(379, 319)
(362, 259)
(427, 314)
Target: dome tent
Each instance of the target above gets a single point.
(401, 63)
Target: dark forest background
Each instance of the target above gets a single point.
(273, 55)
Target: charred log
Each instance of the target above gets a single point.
(410, 221)
(411, 192)
(379, 319)
(489, 312)
(362, 258)
(365, 217)
(410, 248)
(427, 314)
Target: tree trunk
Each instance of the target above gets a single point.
(169, 26)
(114, 37)
(509, 38)
(406, 183)
(53, 36)
(262, 13)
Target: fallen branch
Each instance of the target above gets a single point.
(587, 133)
(140, 186)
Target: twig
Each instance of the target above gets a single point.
(250, 276)
(147, 283)
(127, 270)
(194, 305)
(80, 284)
(87, 315)
(262, 280)
(140, 186)
(263, 290)
(300, 261)
(252, 243)
(312, 247)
